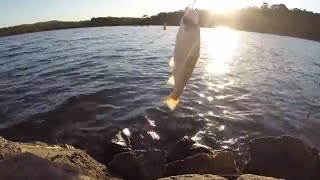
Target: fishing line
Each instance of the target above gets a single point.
(194, 2)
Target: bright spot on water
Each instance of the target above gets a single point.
(210, 113)
(230, 141)
(210, 84)
(221, 43)
(221, 86)
(198, 136)
(210, 98)
(222, 96)
(126, 131)
(154, 135)
(152, 123)
(201, 94)
(222, 127)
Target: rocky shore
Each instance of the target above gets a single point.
(270, 158)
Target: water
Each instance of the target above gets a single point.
(246, 85)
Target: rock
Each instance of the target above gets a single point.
(284, 157)
(220, 163)
(255, 177)
(184, 148)
(55, 158)
(83, 161)
(224, 163)
(139, 164)
(8, 148)
(118, 144)
(29, 166)
(194, 177)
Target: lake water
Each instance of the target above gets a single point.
(246, 85)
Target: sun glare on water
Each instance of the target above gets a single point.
(220, 44)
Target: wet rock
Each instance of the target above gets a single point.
(194, 177)
(118, 145)
(8, 148)
(29, 166)
(220, 163)
(255, 177)
(284, 157)
(184, 148)
(139, 164)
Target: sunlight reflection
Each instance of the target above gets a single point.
(126, 131)
(198, 136)
(221, 44)
(210, 98)
(152, 123)
(221, 128)
(154, 135)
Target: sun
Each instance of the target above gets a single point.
(221, 6)
(221, 43)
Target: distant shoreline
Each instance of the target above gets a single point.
(274, 19)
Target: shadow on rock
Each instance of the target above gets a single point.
(219, 163)
(139, 165)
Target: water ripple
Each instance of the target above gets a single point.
(246, 84)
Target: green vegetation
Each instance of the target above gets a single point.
(274, 19)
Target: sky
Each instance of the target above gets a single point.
(15, 12)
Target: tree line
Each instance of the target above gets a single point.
(273, 19)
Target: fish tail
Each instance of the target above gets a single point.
(172, 103)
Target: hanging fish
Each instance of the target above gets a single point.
(186, 55)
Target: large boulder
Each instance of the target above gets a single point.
(20, 160)
(30, 166)
(284, 157)
(255, 177)
(219, 163)
(139, 164)
(186, 147)
(194, 177)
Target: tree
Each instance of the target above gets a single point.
(265, 5)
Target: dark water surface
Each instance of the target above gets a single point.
(78, 85)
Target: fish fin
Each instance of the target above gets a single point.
(172, 103)
(171, 81)
(171, 62)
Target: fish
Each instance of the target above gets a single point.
(185, 56)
